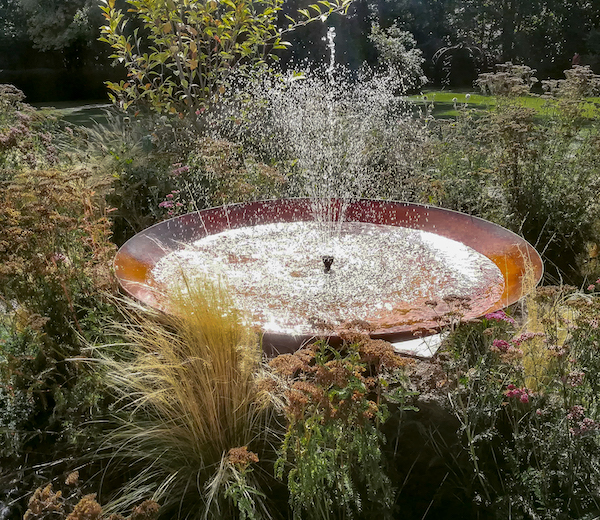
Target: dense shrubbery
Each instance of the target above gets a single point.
(535, 173)
(26, 137)
(527, 404)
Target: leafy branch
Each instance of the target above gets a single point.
(181, 56)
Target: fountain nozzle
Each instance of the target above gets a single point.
(327, 261)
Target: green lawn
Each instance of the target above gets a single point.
(447, 103)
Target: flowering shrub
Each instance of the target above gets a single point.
(55, 252)
(25, 136)
(509, 80)
(55, 274)
(220, 172)
(528, 409)
(532, 172)
(334, 405)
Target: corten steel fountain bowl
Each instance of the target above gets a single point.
(517, 260)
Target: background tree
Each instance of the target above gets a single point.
(68, 26)
(397, 51)
(544, 34)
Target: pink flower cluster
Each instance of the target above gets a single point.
(576, 413)
(527, 336)
(593, 286)
(574, 378)
(171, 203)
(558, 351)
(504, 347)
(500, 316)
(14, 137)
(522, 394)
(581, 423)
(179, 169)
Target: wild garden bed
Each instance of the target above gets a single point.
(109, 410)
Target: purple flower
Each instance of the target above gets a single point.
(576, 413)
(169, 196)
(178, 171)
(500, 316)
(574, 378)
(581, 423)
(165, 204)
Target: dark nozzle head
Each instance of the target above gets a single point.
(327, 261)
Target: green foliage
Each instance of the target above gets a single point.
(239, 488)
(331, 452)
(182, 59)
(22, 374)
(398, 52)
(533, 173)
(221, 172)
(149, 187)
(528, 409)
(161, 169)
(61, 24)
(49, 406)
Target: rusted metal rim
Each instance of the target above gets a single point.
(519, 262)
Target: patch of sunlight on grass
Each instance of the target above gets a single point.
(448, 103)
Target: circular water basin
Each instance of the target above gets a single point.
(399, 270)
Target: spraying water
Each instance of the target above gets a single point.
(327, 124)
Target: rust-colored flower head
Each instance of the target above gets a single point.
(86, 509)
(44, 500)
(147, 510)
(241, 457)
(286, 365)
(72, 479)
(381, 354)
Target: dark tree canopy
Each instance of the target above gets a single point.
(544, 34)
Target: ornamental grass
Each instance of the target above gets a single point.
(187, 395)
